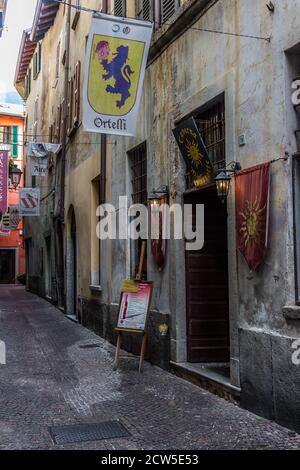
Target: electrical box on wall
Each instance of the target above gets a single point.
(242, 140)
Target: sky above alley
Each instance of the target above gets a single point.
(19, 16)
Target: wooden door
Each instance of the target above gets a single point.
(7, 266)
(207, 285)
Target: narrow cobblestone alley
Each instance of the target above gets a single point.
(49, 379)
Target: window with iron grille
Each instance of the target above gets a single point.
(139, 195)
(211, 124)
(120, 8)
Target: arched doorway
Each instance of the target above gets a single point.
(71, 301)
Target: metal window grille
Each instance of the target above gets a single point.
(211, 124)
(138, 164)
(138, 167)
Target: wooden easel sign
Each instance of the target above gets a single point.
(133, 314)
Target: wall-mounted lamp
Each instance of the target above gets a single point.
(223, 179)
(15, 175)
(155, 195)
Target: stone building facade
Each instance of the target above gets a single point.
(12, 253)
(240, 85)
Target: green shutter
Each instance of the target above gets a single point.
(15, 141)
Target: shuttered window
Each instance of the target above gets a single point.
(5, 135)
(168, 8)
(37, 60)
(57, 60)
(28, 83)
(159, 11)
(120, 8)
(145, 10)
(15, 141)
(77, 94)
(70, 106)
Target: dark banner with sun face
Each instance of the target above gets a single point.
(252, 188)
(194, 153)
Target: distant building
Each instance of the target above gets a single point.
(12, 253)
(3, 4)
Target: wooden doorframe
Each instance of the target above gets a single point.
(189, 194)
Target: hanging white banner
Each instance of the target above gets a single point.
(29, 202)
(116, 60)
(38, 153)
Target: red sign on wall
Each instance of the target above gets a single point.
(3, 180)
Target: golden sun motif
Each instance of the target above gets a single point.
(252, 228)
(194, 153)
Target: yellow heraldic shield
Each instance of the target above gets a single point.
(114, 74)
(116, 59)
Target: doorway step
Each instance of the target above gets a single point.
(73, 318)
(214, 377)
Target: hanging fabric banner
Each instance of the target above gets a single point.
(199, 168)
(252, 188)
(116, 59)
(3, 180)
(29, 202)
(38, 153)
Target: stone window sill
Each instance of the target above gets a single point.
(291, 312)
(95, 288)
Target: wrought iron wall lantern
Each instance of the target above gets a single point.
(223, 179)
(15, 175)
(156, 194)
(157, 200)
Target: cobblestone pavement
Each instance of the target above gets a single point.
(49, 380)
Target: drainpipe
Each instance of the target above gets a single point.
(103, 156)
(60, 221)
(103, 145)
(65, 113)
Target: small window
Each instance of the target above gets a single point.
(168, 8)
(5, 135)
(138, 167)
(28, 83)
(120, 8)
(211, 124)
(35, 117)
(145, 10)
(57, 60)
(37, 61)
(15, 142)
(296, 206)
(159, 11)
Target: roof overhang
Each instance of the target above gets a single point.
(44, 17)
(26, 52)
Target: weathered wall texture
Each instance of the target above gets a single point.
(255, 77)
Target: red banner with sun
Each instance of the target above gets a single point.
(252, 187)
